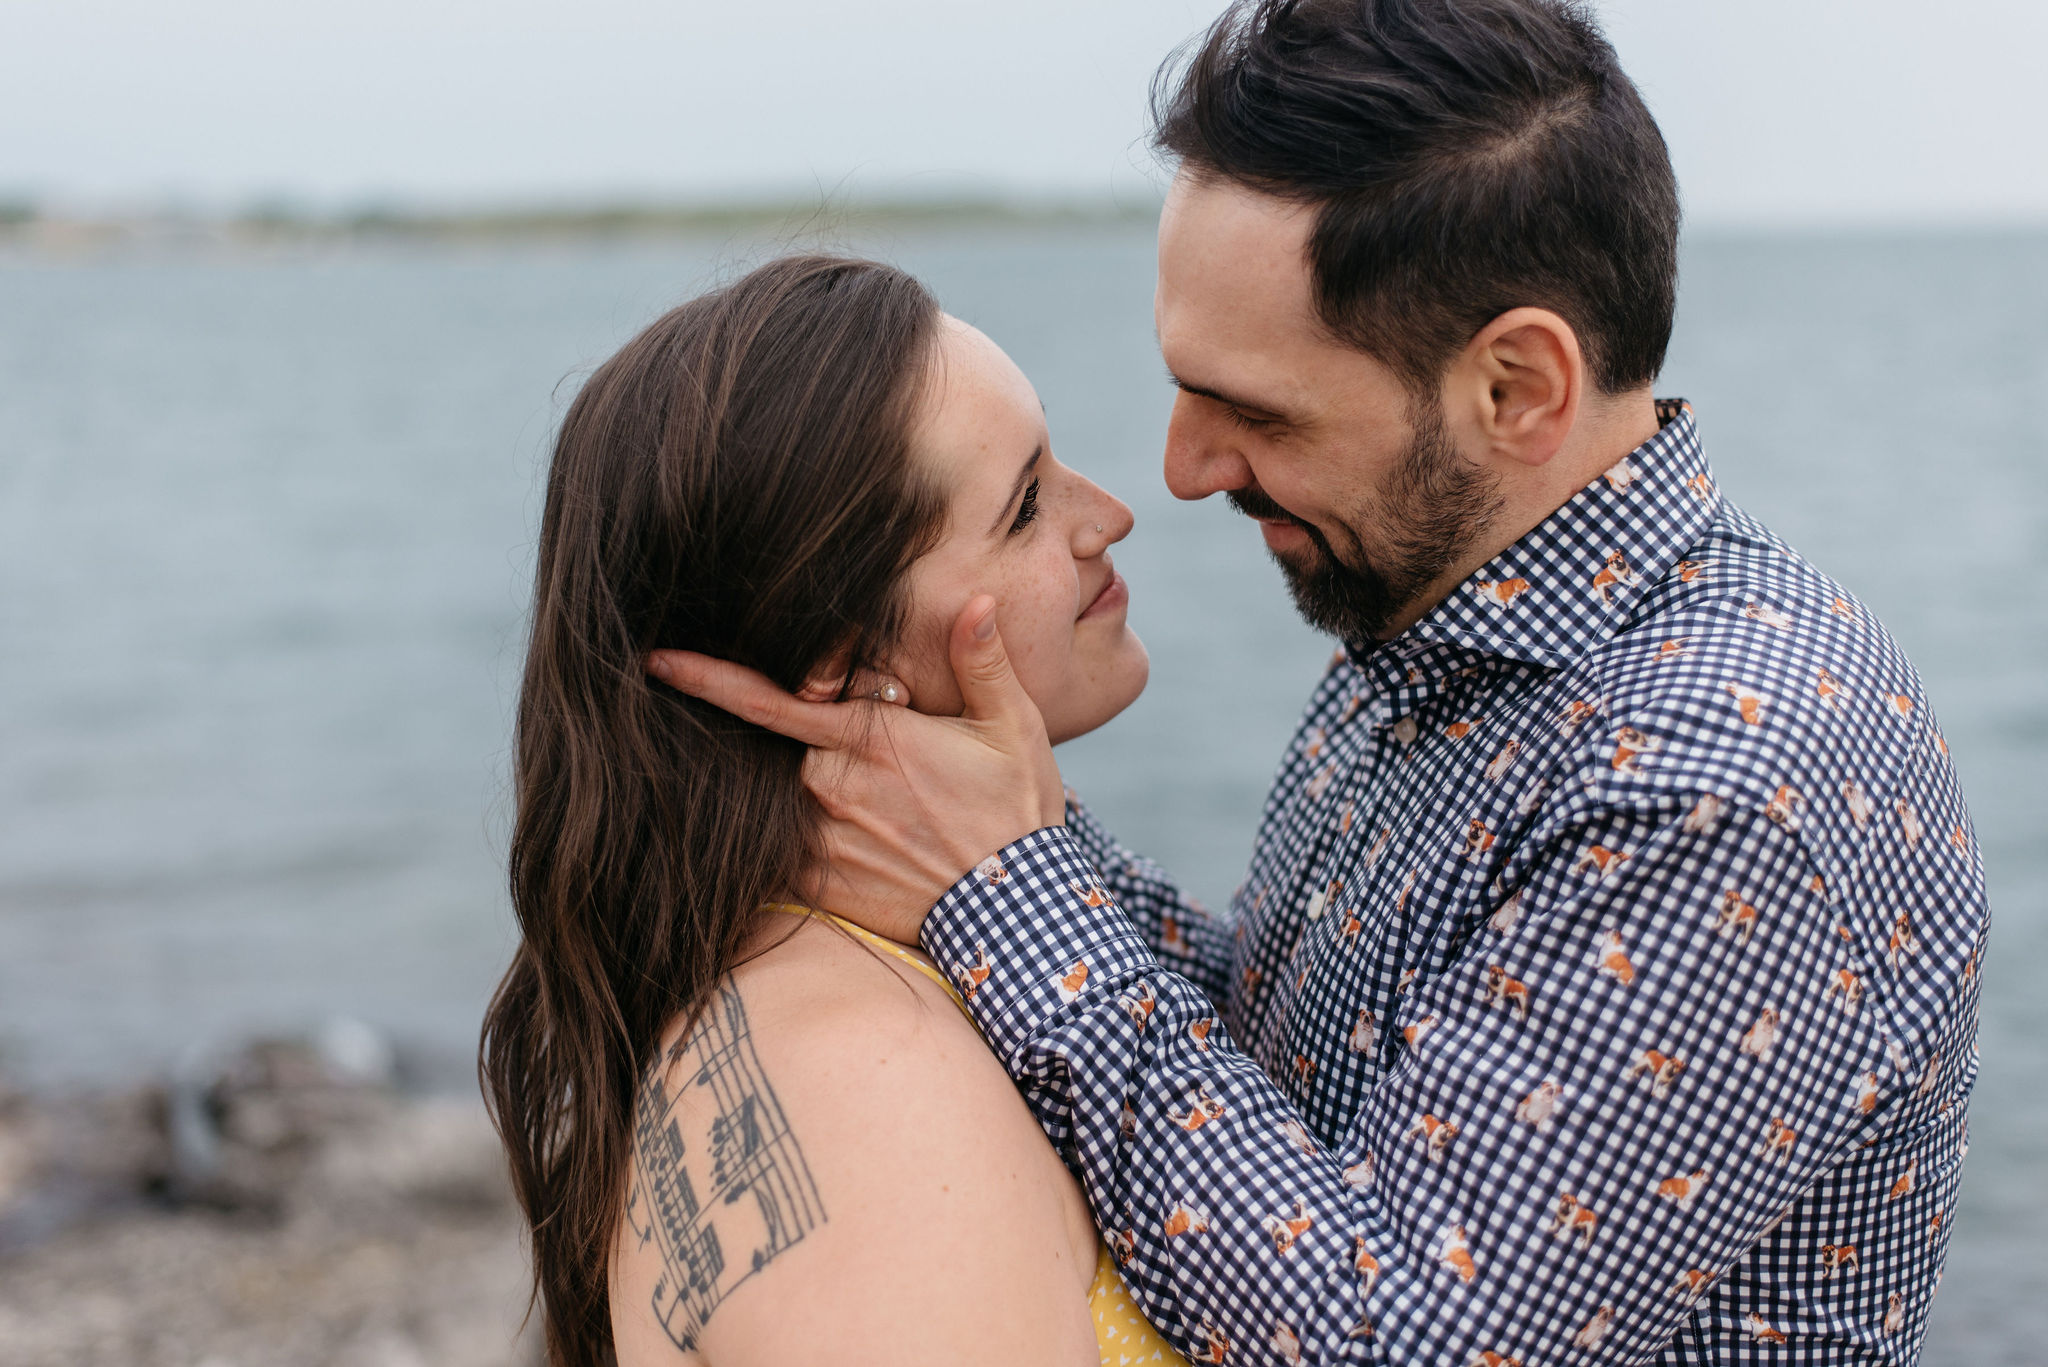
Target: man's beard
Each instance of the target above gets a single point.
(1435, 506)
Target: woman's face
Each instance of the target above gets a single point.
(1027, 530)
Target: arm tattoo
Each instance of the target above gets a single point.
(723, 1189)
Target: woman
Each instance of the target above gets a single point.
(742, 1131)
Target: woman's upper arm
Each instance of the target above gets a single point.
(857, 1185)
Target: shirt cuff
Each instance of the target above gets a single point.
(1027, 932)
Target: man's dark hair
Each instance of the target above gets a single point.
(1466, 157)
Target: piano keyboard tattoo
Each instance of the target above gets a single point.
(719, 1184)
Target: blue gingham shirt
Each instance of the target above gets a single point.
(1603, 989)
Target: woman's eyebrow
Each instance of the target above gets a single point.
(1023, 478)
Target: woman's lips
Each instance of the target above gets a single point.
(1113, 595)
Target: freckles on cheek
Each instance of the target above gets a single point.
(1035, 607)
(932, 685)
(1036, 613)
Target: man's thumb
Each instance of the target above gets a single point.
(981, 666)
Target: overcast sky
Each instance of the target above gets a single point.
(1778, 111)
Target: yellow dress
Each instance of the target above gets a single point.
(1123, 1334)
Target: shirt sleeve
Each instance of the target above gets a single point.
(1183, 934)
(1603, 1097)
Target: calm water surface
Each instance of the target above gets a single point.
(266, 527)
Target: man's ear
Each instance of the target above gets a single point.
(1520, 383)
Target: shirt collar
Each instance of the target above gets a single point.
(1570, 583)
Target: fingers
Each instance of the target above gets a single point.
(840, 782)
(753, 697)
(981, 666)
(993, 693)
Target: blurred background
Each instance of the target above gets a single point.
(291, 298)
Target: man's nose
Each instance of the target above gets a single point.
(1200, 458)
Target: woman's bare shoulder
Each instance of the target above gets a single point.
(829, 1166)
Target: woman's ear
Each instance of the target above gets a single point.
(819, 689)
(829, 677)
(883, 687)
(829, 681)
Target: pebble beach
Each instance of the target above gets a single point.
(343, 1222)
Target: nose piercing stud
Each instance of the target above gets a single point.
(1098, 526)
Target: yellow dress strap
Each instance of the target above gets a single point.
(887, 946)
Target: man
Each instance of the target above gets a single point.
(1603, 988)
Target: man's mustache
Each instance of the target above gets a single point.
(1254, 503)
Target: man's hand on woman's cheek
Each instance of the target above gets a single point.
(911, 802)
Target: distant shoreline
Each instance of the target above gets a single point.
(35, 231)
(29, 226)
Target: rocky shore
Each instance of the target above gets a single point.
(284, 1203)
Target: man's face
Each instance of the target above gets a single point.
(1358, 488)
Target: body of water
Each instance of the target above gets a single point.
(266, 526)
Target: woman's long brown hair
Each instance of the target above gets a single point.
(736, 480)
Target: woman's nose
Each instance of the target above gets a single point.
(1106, 520)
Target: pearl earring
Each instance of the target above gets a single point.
(886, 693)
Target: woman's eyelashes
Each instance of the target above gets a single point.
(1027, 510)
